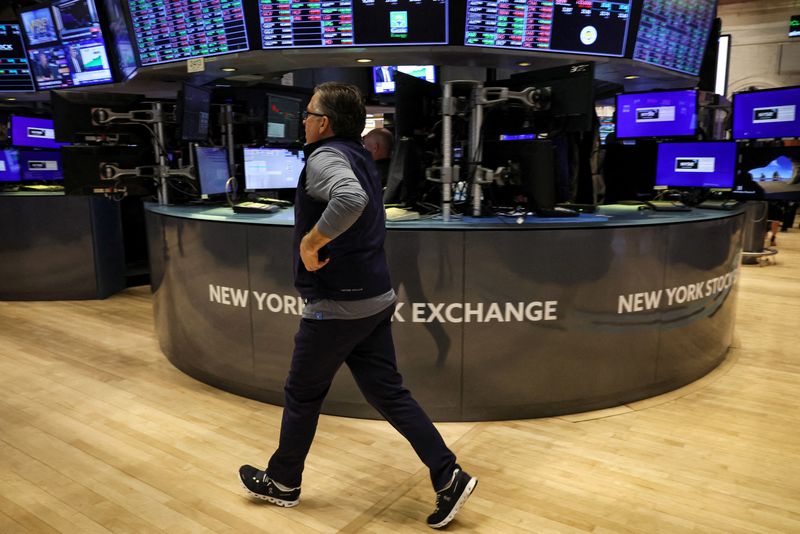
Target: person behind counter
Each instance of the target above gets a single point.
(340, 269)
(379, 143)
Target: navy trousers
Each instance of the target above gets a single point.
(366, 346)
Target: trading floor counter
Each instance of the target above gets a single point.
(496, 319)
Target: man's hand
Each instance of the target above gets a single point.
(310, 245)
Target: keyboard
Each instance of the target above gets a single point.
(718, 204)
(667, 205)
(255, 207)
(556, 212)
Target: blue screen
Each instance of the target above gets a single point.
(766, 114)
(9, 165)
(40, 165)
(702, 164)
(33, 131)
(212, 170)
(658, 114)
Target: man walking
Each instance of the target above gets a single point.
(340, 269)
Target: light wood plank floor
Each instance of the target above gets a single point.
(98, 433)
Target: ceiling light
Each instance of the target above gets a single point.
(631, 77)
(229, 69)
(363, 60)
(523, 64)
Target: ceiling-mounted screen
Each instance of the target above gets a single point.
(352, 23)
(573, 26)
(75, 53)
(125, 57)
(177, 30)
(673, 33)
(15, 74)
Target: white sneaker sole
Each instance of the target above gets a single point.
(273, 500)
(459, 503)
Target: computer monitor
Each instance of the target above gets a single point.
(76, 19)
(401, 22)
(708, 165)
(212, 170)
(194, 112)
(771, 113)
(531, 166)
(175, 31)
(9, 165)
(268, 169)
(33, 132)
(383, 77)
(124, 55)
(39, 26)
(83, 169)
(72, 114)
(673, 34)
(283, 119)
(15, 73)
(571, 27)
(40, 165)
(417, 105)
(657, 114)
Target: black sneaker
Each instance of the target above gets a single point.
(260, 486)
(451, 498)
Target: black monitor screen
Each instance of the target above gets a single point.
(172, 31)
(673, 33)
(212, 170)
(575, 26)
(9, 165)
(272, 168)
(118, 28)
(15, 74)
(78, 55)
(40, 165)
(283, 118)
(195, 110)
(287, 24)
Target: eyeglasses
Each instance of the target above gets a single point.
(306, 113)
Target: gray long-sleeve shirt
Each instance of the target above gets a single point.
(329, 178)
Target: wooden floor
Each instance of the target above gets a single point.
(98, 433)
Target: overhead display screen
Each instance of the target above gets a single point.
(66, 45)
(292, 24)
(15, 74)
(573, 26)
(174, 30)
(673, 33)
(125, 57)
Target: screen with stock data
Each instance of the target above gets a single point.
(292, 24)
(174, 30)
(575, 26)
(673, 33)
(15, 74)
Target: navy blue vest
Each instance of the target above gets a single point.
(357, 268)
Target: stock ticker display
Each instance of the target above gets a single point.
(673, 33)
(577, 26)
(294, 24)
(15, 74)
(172, 30)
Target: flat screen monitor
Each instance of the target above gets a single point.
(40, 165)
(710, 165)
(657, 114)
(283, 119)
(174, 31)
(353, 23)
(607, 127)
(772, 113)
(78, 56)
(194, 109)
(9, 165)
(125, 57)
(212, 170)
(39, 26)
(15, 73)
(72, 114)
(673, 33)
(570, 26)
(268, 169)
(383, 77)
(33, 132)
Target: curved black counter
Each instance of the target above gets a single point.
(495, 320)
